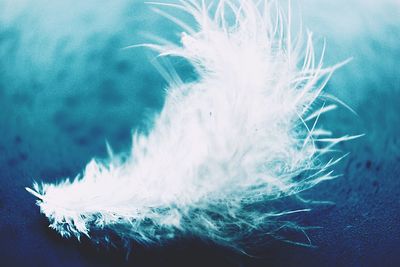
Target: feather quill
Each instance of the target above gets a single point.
(240, 136)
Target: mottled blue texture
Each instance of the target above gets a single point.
(66, 87)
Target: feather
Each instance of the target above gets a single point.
(239, 137)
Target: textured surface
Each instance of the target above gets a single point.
(66, 87)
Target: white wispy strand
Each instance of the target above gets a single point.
(223, 147)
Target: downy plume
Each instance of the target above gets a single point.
(225, 146)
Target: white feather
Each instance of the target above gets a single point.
(222, 148)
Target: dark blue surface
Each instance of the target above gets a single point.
(67, 88)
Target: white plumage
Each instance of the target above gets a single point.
(222, 147)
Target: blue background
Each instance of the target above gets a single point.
(66, 87)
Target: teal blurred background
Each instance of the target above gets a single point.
(67, 86)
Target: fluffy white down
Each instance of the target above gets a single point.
(223, 146)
